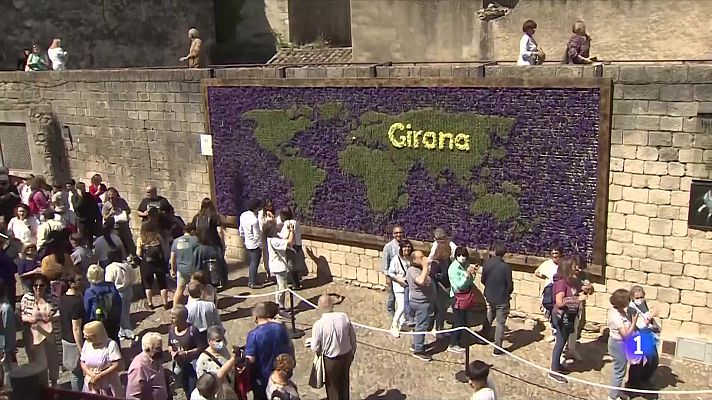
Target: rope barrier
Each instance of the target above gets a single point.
(480, 337)
(525, 361)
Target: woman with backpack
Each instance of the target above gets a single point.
(208, 220)
(39, 199)
(108, 243)
(102, 301)
(154, 263)
(208, 257)
(567, 299)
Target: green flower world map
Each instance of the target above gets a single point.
(381, 150)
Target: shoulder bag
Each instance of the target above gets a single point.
(317, 377)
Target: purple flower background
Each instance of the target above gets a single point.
(550, 153)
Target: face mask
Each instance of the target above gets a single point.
(157, 355)
(639, 302)
(219, 346)
(462, 260)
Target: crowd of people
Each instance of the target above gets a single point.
(74, 254)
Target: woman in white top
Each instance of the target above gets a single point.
(284, 222)
(396, 271)
(480, 381)
(266, 213)
(23, 226)
(529, 51)
(56, 54)
(620, 327)
(122, 276)
(277, 250)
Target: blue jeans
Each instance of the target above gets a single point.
(423, 323)
(391, 299)
(561, 338)
(616, 349)
(126, 294)
(253, 258)
(187, 379)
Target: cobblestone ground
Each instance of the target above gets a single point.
(385, 369)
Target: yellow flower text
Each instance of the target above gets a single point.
(401, 136)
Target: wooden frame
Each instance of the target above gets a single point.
(604, 85)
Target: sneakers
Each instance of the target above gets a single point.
(456, 349)
(423, 356)
(395, 332)
(497, 353)
(558, 378)
(412, 349)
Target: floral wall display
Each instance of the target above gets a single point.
(517, 165)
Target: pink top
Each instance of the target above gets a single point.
(146, 381)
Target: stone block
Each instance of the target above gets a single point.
(690, 156)
(635, 276)
(670, 183)
(615, 192)
(647, 240)
(621, 178)
(693, 299)
(676, 93)
(676, 169)
(655, 168)
(373, 277)
(348, 272)
(616, 164)
(691, 257)
(624, 207)
(682, 109)
(679, 228)
(330, 246)
(662, 307)
(613, 247)
(635, 195)
(695, 271)
(624, 122)
(343, 248)
(622, 236)
(671, 124)
(649, 153)
(352, 259)
(668, 295)
(659, 255)
(630, 107)
(681, 312)
(658, 138)
(362, 274)
(623, 151)
(616, 136)
(703, 245)
(635, 251)
(697, 170)
(622, 262)
(677, 243)
(703, 285)
(633, 166)
(660, 226)
(632, 74)
(694, 125)
(702, 315)
(616, 221)
(338, 257)
(672, 268)
(703, 92)
(659, 197)
(373, 253)
(641, 92)
(646, 210)
(703, 141)
(645, 181)
(647, 122)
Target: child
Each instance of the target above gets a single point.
(202, 314)
(81, 256)
(208, 291)
(28, 265)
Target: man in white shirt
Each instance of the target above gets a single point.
(252, 237)
(121, 275)
(546, 271)
(334, 337)
(390, 251)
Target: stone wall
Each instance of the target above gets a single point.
(438, 30)
(109, 33)
(139, 127)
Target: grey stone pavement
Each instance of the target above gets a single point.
(385, 369)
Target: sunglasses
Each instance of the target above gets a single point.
(398, 233)
(38, 286)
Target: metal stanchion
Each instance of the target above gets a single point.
(461, 376)
(295, 333)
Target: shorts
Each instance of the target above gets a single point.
(151, 273)
(182, 279)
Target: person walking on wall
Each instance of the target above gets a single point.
(579, 46)
(390, 251)
(529, 51)
(36, 61)
(497, 278)
(251, 234)
(334, 337)
(196, 49)
(57, 55)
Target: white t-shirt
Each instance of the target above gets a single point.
(120, 274)
(616, 320)
(486, 393)
(398, 268)
(24, 231)
(453, 247)
(297, 231)
(101, 247)
(527, 45)
(548, 268)
(195, 395)
(277, 250)
(56, 55)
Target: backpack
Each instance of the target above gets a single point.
(103, 307)
(547, 298)
(153, 253)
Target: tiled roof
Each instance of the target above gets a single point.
(336, 55)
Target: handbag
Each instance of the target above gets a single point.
(466, 300)
(317, 376)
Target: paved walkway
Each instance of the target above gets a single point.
(385, 369)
